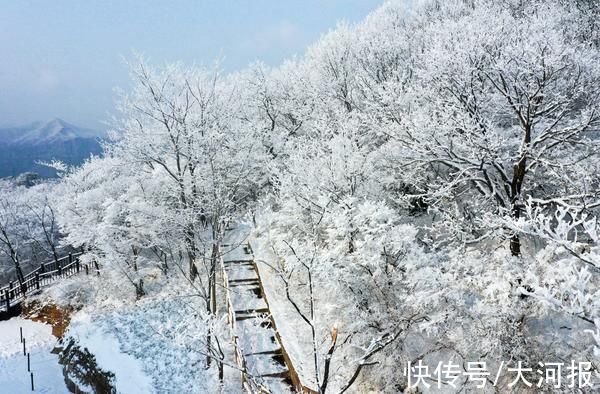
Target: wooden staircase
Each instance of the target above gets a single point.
(258, 351)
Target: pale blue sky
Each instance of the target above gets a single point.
(62, 58)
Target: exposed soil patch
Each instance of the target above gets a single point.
(49, 313)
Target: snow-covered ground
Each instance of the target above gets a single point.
(39, 341)
(130, 377)
(151, 345)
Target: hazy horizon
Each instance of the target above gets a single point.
(64, 59)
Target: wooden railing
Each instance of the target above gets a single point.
(240, 360)
(15, 292)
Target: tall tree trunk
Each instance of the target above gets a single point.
(519, 171)
(211, 305)
(20, 276)
(213, 278)
(192, 250)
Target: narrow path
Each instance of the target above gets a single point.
(260, 350)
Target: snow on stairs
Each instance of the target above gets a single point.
(259, 348)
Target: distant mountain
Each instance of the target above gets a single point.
(21, 147)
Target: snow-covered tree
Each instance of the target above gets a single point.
(28, 226)
(499, 111)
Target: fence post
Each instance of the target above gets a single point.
(7, 300)
(32, 388)
(59, 268)
(87, 269)
(10, 289)
(77, 263)
(97, 267)
(37, 280)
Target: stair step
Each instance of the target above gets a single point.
(283, 374)
(249, 287)
(252, 311)
(242, 263)
(238, 260)
(247, 315)
(233, 282)
(276, 352)
(243, 284)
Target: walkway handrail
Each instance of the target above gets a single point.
(240, 360)
(15, 292)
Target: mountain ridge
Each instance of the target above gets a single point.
(39, 132)
(23, 147)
